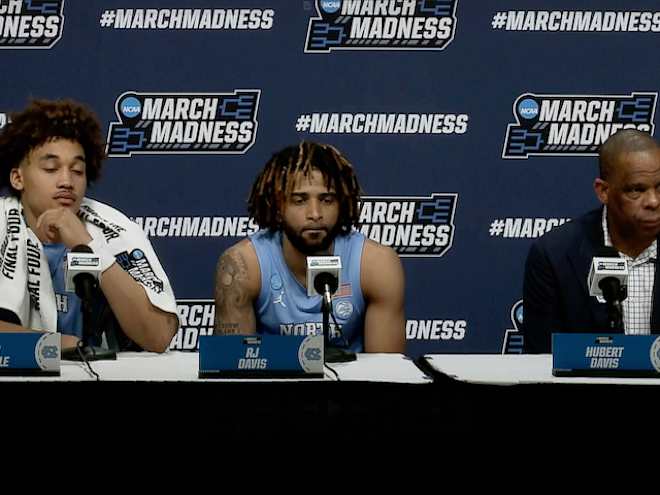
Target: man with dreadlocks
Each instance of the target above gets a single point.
(305, 201)
(49, 154)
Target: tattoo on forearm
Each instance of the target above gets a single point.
(231, 295)
(222, 328)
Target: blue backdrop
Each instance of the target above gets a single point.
(473, 126)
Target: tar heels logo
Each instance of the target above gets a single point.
(209, 123)
(30, 24)
(414, 226)
(654, 354)
(381, 25)
(574, 124)
(513, 338)
(137, 265)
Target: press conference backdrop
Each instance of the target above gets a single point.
(473, 126)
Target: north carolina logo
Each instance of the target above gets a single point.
(343, 309)
(310, 353)
(654, 354)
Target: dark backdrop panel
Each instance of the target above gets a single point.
(458, 302)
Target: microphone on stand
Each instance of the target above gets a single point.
(323, 278)
(82, 274)
(608, 278)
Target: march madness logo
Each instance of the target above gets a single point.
(414, 226)
(513, 337)
(196, 318)
(30, 24)
(574, 124)
(209, 123)
(137, 265)
(381, 25)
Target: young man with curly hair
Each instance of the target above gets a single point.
(49, 154)
(305, 201)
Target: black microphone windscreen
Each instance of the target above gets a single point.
(81, 248)
(607, 252)
(323, 279)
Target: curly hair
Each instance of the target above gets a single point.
(276, 181)
(44, 121)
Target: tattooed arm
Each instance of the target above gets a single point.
(237, 285)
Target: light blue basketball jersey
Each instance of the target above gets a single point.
(69, 316)
(283, 306)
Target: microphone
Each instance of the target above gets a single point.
(81, 276)
(608, 274)
(82, 271)
(325, 283)
(608, 278)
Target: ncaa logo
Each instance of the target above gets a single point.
(130, 107)
(137, 254)
(528, 109)
(330, 6)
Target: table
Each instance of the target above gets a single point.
(177, 366)
(510, 369)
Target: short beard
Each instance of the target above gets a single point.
(299, 243)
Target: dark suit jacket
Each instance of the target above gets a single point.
(555, 293)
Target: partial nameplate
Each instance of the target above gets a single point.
(29, 354)
(601, 354)
(260, 356)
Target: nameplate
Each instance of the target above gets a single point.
(260, 356)
(593, 354)
(29, 354)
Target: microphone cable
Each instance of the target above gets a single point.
(79, 347)
(333, 372)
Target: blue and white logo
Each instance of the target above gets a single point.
(381, 25)
(574, 125)
(130, 107)
(174, 123)
(513, 337)
(30, 24)
(137, 254)
(330, 6)
(654, 354)
(343, 309)
(528, 109)
(275, 282)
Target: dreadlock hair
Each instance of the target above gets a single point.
(44, 121)
(276, 181)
